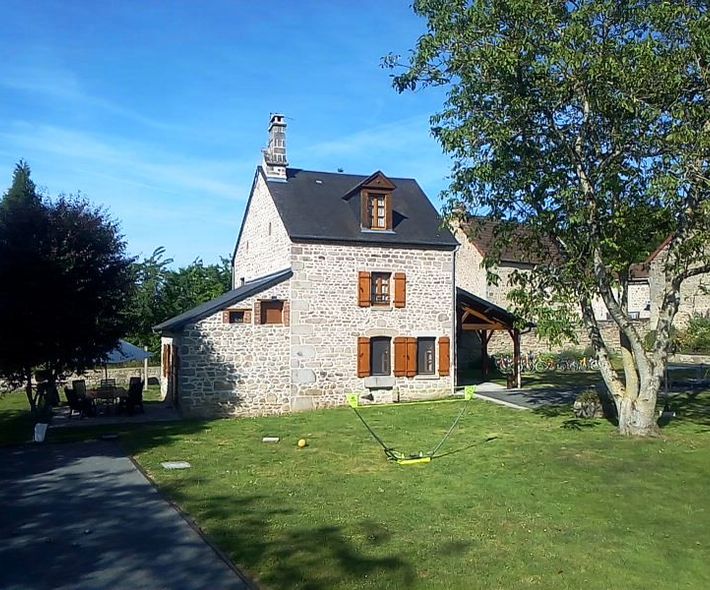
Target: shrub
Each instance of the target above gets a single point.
(696, 336)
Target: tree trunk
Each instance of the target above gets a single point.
(28, 391)
(637, 414)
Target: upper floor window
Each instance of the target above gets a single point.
(376, 211)
(380, 288)
(377, 207)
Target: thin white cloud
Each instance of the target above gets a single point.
(130, 162)
(63, 85)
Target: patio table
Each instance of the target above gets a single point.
(107, 395)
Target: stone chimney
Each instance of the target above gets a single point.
(275, 161)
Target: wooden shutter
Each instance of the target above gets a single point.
(363, 289)
(225, 316)
(388, 211)
(400, 356)
(365, 220)
(247, 316)
(444, 356)
(257, 312)
(166, 360)
(363, 357)
(411, 357)
(400, 289)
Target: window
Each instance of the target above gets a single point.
(380, 288)
(377, 209)
(236, 316)
(272, 312)
(425, 356)
(380, 356)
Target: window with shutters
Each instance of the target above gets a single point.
(380, 288)
(272, 311)
(380, 359)
(426, 363)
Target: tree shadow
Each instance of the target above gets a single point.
(306, 557)
(691, 406)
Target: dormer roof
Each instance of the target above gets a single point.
(322, 206)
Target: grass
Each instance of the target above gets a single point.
(549, 502)
(17, 424)
(519, 500)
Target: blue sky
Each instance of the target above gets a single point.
(158, 110)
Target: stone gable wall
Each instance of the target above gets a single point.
(259, 252)
(326, 320)
(235, 369)
(694, 293)
(470, 275)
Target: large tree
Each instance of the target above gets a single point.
(66, 284)
(162, 292)
(580, 120)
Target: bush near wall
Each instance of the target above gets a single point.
(695, 338)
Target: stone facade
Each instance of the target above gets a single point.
(264, 246)
(327, 321)
(235, 369)
(694, 293)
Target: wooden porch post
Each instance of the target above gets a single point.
(516, 358)
(484, 353)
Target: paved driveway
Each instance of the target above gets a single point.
(529, 399)
(81, 516)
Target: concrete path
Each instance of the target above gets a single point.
(527, 399)
(81, 516)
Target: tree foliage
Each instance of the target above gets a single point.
(587, 122)
(162, 292)
(66, 283)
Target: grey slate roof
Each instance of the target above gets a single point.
(324, 206)
(229, 298)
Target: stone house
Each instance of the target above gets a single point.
(477, 237)
(341, 284)
(694, 292)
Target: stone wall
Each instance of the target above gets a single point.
(501, 342)
(327, 321)
(470, 275)
(694, 293)
(264, 246)
(235, 369)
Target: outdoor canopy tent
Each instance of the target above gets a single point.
(126, 352)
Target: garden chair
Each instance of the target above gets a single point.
(79, 387)
(82, 405)
(134, 397)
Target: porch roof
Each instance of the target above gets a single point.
(476, 313)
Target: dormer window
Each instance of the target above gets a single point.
(376, 203)
(377, 211)
(377, 208)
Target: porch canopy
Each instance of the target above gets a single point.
(483, 317)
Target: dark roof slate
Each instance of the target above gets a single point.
(229, 298)
(323, 206)
(481, 232)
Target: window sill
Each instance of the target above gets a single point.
(379, 382)
(381, 307)
(433, 377)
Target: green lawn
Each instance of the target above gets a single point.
(550, 502)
